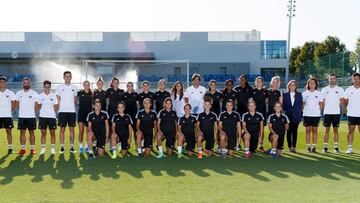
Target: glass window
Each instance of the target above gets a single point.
(234, 36)
(12, 36)
(270, 72)
(155, 36)
(78, 36)
(273, 50)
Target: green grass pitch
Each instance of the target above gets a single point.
(297, 177)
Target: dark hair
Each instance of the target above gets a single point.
(46, 82)
(195, 75)
(251, 100)
(246, 78)
(97, 101)
(208, 99)
(26, 78)
(147, 99)
(173, 90)
(316, 83)
(356, 75)
(332, 74)
(212, 81)
(112, 80)
(66, 72)
(230, 101)
(100, 79)
(145, 82)
(166, 100)
(187, 105)
(121, 102)
(3, 77)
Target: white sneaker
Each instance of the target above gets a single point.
(42, 151)
(52, 151)
(349, 151)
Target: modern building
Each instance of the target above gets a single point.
(169, 55)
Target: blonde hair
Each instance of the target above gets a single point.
(272, 81)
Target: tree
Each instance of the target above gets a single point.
(306, 57)
(293, 57)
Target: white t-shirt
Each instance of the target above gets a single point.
(312, 106)
(27, 101)
(196, 98)
(178, 105)
(6, 98)
(332, 98)
(292, 98)
(353, 95)
(47, 105)
(67, 94)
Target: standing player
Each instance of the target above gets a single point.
(85, 103)
(48, 105)
(114, 95)
(216, 97)
(206, 128)
(161, 95)
(333, 96)
(130, 98)
(275, 94)
(278, 125)
(194, 95)
(253, 126)
(146, 93)
(312, 102)
(352, 101)
(167, 128)
(228, 93)
(67, 96)
(178, 98)
(230, 129)
(7, 104)
(98, 129)
(186, 132)
(26, 100)
(260, 96)
(145, 126)
(100, 93)
(122, 130)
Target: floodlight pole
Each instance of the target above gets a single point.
(291, 13)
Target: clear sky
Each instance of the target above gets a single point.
(315, 19)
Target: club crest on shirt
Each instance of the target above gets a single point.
(7, 96)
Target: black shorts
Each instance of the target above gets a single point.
(148, 139)
(100, 137)
(190, 142)
(333, 119)
(27, 123)
(280, 143)
(123, 139)
(81, 118)
(311, 121)
(47, 123)
(353, 120)
(170, 139)
(6, 123)
(231, 140)
(67, 119)
(209, 141)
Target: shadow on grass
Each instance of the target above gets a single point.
(260, 167)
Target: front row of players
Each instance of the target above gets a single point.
(227, 130)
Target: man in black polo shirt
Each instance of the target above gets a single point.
(207, 126)
(260, 95)
(278, 124)
(230, 128)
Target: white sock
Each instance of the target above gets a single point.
(9, 146)
(52, 145)
(22, 146)
(273, 150)
(71, 145)
(308, 145)
(32, 147)
(336, 145)
(139, 150)
(349, 146)
(86, 145)
(91, 152)
(160, 149)
(246, 149)
(80, 145)
(314, 145)
(325, 145)
(200, 149)
(113, 149)
(43, 146)
(179, 148)
(62, 145)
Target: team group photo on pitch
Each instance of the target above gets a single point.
(194, 121)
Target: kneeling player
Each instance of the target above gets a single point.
(253, 123)
(98, 129)
(206, 125)
(145, 126)
(121, 128)
(230, 128)
(166, 125)
(278, 125)
(186, 131)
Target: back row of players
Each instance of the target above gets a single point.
(192, 115)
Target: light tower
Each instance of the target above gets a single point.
(291, 13)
